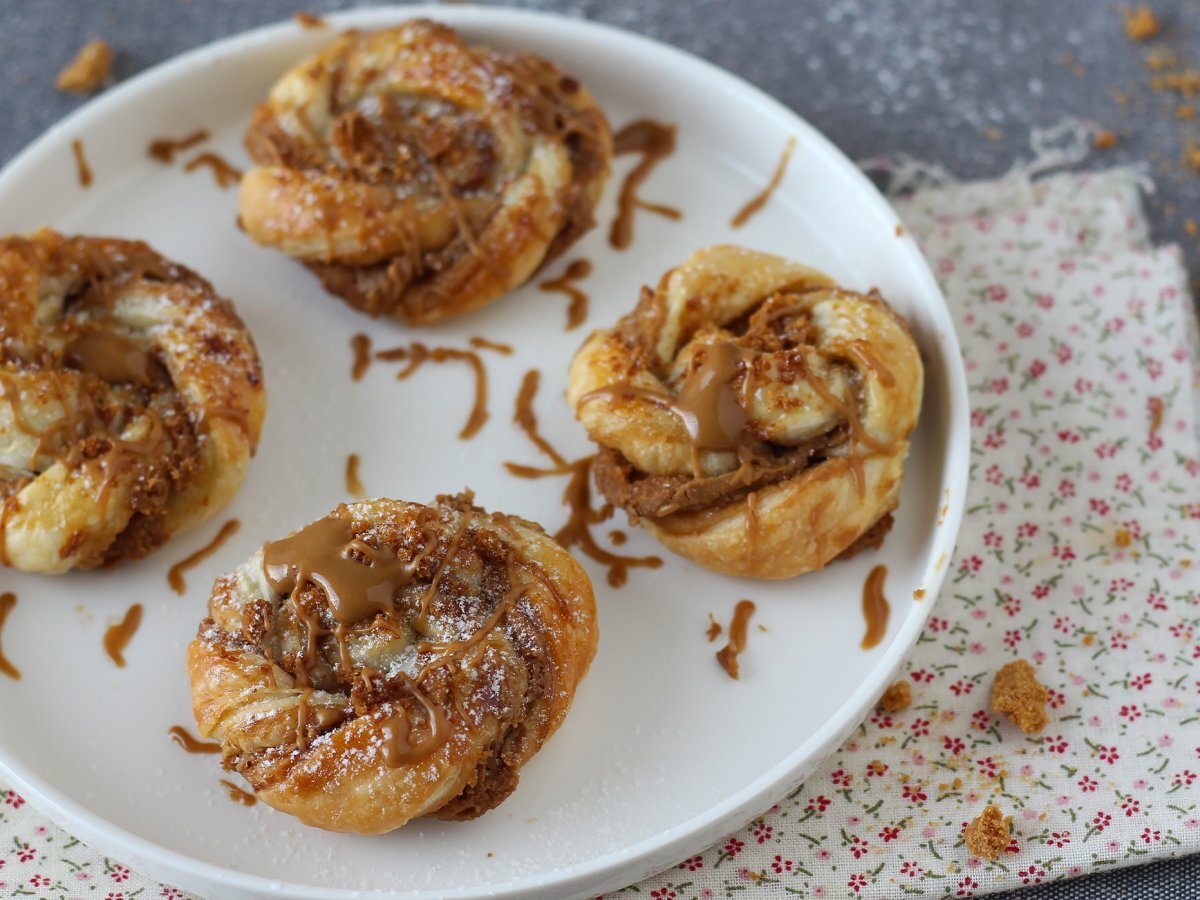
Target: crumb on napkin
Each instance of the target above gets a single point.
(989, 833)
(88, 70)
(896, 698)
(1017, 693)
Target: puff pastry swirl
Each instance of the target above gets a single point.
(393, 661)
(751, 413)
(419, 177)
(131, 400)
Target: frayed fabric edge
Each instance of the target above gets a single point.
(1053, 148)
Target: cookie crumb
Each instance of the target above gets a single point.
(989, 833)
(88, 70)
(714, 628)
(309, 20)
(896, 698)
(1105, 140)
(1141, 24)
(1017, 693)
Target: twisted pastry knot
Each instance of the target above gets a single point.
(130, 401)
(392, 661)
(419, 177)
(751, 413)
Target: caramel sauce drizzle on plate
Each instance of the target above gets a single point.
(875, 607)
(223, 173)
(354, 485)
(164, 149)
(82, 170)
(237, 795)
(655, 141)
(417, 354)
(727, 656)
(360, 346)
(175, 574)
(564, 283)
(7, 601)
(184, 739)
(117, 637)
(576, 495)
(759, 200)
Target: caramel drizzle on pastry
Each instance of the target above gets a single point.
(576, 532)
(164, 149)
(7, 601)
(578, 309)
(118, 636)
(417, 354)
(184, 739)
(727, 656)
(82, 169)
(358, 583)
(708, 403)
(655, 141)
(224, 174)
(759, 200)
(875, 607)
(175, 573)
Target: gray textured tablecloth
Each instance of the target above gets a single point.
(957, 83)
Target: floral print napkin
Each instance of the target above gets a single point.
(1080, 552)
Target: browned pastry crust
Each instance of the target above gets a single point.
(752, 414)
(422, 178)
(131, 400)
(360, 713)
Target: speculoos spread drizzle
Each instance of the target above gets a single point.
(175, 573)
(82, 170)
(164, 149)
(237, 795)
(727, 656)
(7, 601)
(224, 174)
(875, 607)
(655, 141)
(118, 636)
(357, 582)
(565, 284)
(576, 495)
(759, 200)
(187, 742)
(354, 485)
(417, 354)
(360, 346)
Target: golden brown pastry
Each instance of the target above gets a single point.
(752, 414)
(392, 660)
(419, 177)
(131, 400)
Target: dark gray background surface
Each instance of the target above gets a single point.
(957, 82)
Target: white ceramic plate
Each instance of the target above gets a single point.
(662, 752)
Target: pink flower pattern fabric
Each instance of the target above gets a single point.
(1080, 552)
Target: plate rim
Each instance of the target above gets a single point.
(615, 868)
